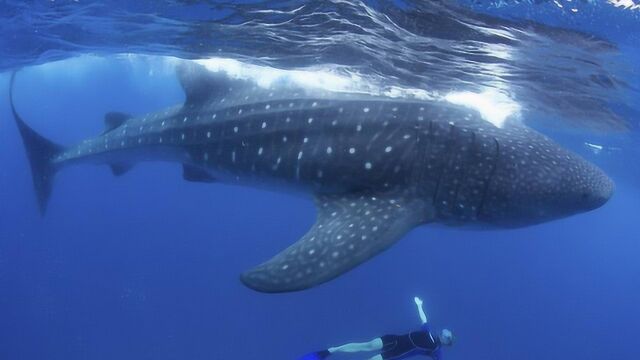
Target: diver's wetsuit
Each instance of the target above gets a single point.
(416, 343)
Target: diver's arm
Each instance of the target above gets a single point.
(423, 317)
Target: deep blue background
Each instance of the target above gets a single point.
(145, 266)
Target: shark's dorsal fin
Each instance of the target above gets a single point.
(196, 174)
(201, 85)
(348, 231)
(113, 120)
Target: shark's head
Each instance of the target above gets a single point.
(538, 181)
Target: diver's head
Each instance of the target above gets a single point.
(446, 337)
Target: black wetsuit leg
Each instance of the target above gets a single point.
(396, 346)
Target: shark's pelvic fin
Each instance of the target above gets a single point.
(113, 120)
(120, 169)
(349, 230)
(40, 152)
(196, 174)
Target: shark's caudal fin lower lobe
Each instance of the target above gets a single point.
(40, 151)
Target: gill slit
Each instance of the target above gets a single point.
(489, 179)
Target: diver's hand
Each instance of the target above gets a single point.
(423, 316)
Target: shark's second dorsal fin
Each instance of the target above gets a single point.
(113, 120)
(201, 85)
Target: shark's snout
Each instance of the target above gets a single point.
(601, 191)
(545, 187)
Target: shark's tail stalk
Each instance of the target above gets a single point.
(40, 152)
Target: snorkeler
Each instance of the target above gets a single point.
(421, 342)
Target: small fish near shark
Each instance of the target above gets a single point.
(377, 167)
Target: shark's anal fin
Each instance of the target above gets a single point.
(113, 120)
(120, 169)
(196, 174)
(349, 230)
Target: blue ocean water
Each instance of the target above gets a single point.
(146, 265)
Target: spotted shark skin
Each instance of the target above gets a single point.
(377, 167)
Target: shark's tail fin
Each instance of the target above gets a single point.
(40, 152)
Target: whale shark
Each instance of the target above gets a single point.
(376, 167)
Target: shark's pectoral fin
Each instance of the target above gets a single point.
(196, 174)
(348, 231)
